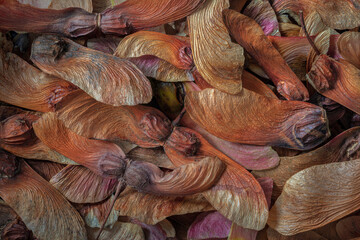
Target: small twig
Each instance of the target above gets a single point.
(302, 22)
(120, 187)
(112, 3)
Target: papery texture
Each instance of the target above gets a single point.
(294, 50)
(142, 125)
(343, 147)
(337, 80)
(152, 209)
(37, 150)
(173, 49)
(250, 36)
(79, 185)
(42, 208)
(337, 14)
(133, 15)
(262, 12)
(248, 156)
(94, 214)
(348, 228)
(290, 124)
(184, 180)
(25, 86)
(103, 158)
(314, 197)
(314, 25)
(60, 4)
(239, 197)
(218, 60)
(120, 231)
(161, 70)
(45, 169)
(322, 44)
(238, 232)
(71, 22)
(349, 47)
(106, 78)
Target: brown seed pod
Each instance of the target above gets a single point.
(161, 70)
(337, 80)
(337, 14)
(254, 119)
(218, 60)
(314, 197)
(17, 129)
(174, 50)
(133, 15)
(71, 22)
(251, 36)
(151, 209)
(343, 147)
(105, 77)
(142, 125)
(103, 158)
(348, 45)
(184, 180)
(247, 208)
(25, 86)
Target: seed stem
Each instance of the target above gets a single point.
(120, 187)
(302, 22)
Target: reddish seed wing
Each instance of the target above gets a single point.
(103, 158)
(251, 36)
(254, 119)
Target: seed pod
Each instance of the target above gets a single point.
(106, 78)
(314, 197)
(25, 86)
(254, 119)
(71, 22)
(250, 36)
(174, 50)
(218, 60)
(103, 158)
(133, 15)
(41, 207)
(142, 125)
(344, 147)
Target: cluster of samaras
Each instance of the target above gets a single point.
(121, 133)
